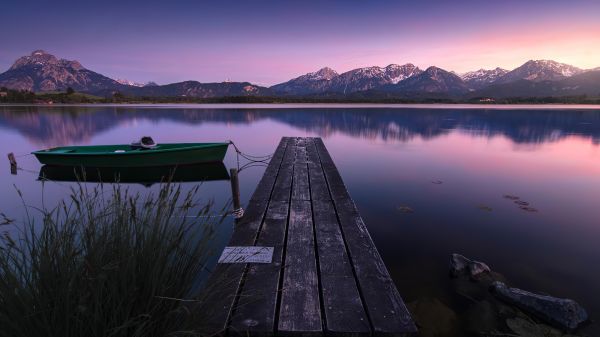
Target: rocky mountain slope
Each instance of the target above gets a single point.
(360, 79)
(585, 83)
(41, 71)
(540, 70)
(483, 77)
(434, 80)
(200, 90)
(315, 82)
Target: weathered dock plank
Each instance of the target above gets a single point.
(300, 312)
(326, 277)
(255, 313)
(343, 307)
(225, 281)
(283, 183)
(383, 303)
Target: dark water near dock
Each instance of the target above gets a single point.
(428, 182)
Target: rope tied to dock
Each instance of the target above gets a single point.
(253, 161)
(250, 157)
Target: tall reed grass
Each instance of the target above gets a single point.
(96, 265)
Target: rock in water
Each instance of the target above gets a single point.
(434, 318)
(561, 312)
(476, 268)
(460, 265)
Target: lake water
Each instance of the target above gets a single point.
(450, 165)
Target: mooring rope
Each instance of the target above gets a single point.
(252, 164)
(253, 161)
(250, 157)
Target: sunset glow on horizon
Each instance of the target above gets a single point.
(270, 42)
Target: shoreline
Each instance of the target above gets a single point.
(548, 106)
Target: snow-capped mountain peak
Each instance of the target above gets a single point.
(317, 81)
(561, 68)
(482, 77)
(540, 70)
(483, 73)
(433, 80)
(325, 73)
(41, 58)
(130, 83)
(361, 79)
(397, 73)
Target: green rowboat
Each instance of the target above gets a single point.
(133, 156)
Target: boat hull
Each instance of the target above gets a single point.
(106, 156)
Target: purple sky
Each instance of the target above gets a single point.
(267, 42)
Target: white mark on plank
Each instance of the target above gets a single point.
(247, 254)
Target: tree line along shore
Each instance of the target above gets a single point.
(71, 97)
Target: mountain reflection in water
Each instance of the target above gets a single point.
(55, 126)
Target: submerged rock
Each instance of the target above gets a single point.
(485, 208)
(434, 318)
(482, 316)
(527, 328)
(460, 265)
(560, 312)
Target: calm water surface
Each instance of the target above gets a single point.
(450, 166)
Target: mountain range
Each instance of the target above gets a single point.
(44, 72)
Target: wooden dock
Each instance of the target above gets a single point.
(326, 277)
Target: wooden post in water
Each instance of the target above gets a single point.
(13, 163)
(238, 211)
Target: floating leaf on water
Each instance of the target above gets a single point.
(484, 208)
(437, 182)
(405, 209)
(521, 202)
(528, 209)
(510, 197)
